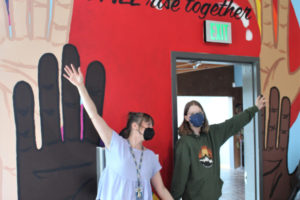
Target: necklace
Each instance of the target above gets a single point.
(139, 189)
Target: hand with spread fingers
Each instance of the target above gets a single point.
(276, 137)
(74, 76)
(276, 77)
(65, 165)
(27, 30)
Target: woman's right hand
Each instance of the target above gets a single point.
(74, 76)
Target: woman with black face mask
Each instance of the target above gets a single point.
(197, 161)
(130, 167)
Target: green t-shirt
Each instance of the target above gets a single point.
(196, 173)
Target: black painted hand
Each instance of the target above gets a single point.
(65, 166)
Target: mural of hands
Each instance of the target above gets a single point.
(27, 30)
(65, 166)
(276, 137)
(280, 150)
(274, 57)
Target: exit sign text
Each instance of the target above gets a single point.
(216, 31)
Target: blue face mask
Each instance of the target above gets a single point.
(197, 119)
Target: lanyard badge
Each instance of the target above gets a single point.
(139, 188)
(139, 193)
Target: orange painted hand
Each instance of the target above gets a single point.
(274, 59)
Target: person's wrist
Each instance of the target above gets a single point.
(80, 86)
(258, 107)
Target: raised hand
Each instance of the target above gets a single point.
(260, 102)
(74, 76)
(65, 166)
(276, 137)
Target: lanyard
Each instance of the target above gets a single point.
(138, 170)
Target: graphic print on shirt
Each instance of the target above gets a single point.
(205, 157)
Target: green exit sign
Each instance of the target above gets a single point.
(216, 31)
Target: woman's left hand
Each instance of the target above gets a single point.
(73, 75)
(260, 102)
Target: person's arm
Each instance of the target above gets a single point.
(181, 169)
(235, 124)
(76, 78)
(160, 188)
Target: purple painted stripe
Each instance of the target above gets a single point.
(81, 121)
(7, 8)
(62, 133)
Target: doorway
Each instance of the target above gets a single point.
(236, 79)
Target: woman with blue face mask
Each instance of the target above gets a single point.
(131, 169)
(196, 172)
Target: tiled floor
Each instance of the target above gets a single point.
(234, 186)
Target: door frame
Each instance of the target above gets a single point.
(257, 185)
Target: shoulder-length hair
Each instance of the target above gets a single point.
(137, 117)
(185, 128)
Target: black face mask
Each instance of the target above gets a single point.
(149, 133)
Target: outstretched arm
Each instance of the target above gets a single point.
(160, 188)
(235, 124)
(76, 78)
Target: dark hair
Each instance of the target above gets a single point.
(239, 107)
(185, 128)
(137, 117)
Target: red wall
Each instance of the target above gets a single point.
(135, 44)
(294, 59)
